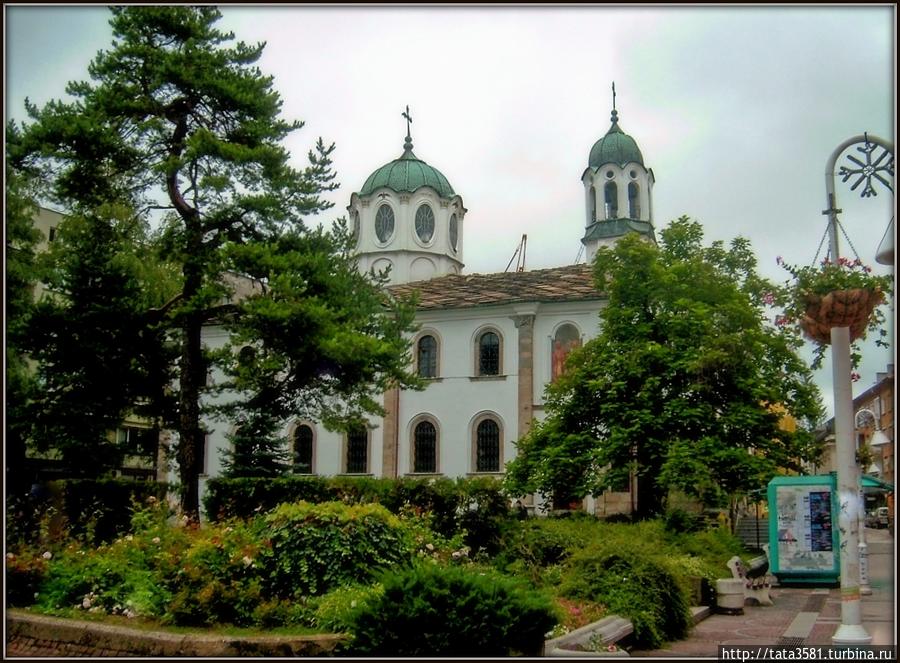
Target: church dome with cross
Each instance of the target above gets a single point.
(408, 219)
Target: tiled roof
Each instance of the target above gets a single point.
(560, 284)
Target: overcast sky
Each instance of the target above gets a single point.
(735, 109)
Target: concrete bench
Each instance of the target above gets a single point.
(755, 577)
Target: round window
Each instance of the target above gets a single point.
(454, 231)
(425, 223)
(610, 174)
(633, 174)
(384, 223)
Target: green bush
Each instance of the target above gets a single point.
(681, 521)
(636, 585)
(218, 578)
(25, 572)
(333, 611)
(315, 547)
(475, 507)
(432, 610)
(99, 510)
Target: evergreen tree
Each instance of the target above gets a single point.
(685, 385)
(96, 356)
(179, 119)
(21, 278)
(257, 448)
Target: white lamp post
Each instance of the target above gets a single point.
(864, 587)
(851, 630)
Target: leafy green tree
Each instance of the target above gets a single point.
(179, 120)
(685, 386)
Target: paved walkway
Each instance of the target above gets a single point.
(801, 616)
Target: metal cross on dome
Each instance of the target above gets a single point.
(408, 120)
(866, 171)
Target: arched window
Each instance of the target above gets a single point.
(425, 223)
(487, 446)
(425, 448)
(303, 449)
(488, 354)
(566, 339)
(611, 193)
(357, 460)
(634, 203)
(384, 223)
(426, 357)
(593, 204)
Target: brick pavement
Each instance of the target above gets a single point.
(814, 613)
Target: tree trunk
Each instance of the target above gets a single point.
(191, 434)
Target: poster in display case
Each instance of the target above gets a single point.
(802, 529)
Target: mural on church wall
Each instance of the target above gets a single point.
(567, 339)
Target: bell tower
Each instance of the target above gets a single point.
(617, 189)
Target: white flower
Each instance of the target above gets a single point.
(10, 556)
(86, 603)
(247, 561)
(429, 547)
(47, 555)
(155, 539)
(129, 538)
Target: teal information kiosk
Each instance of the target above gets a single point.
(803, 530)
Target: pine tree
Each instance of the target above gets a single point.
(179, 119)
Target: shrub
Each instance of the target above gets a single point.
(25, 572)
(681, 521)
(432, 610)
(115, 579)
(636, 585)
(218, 578)
(315, 547)
(333, 611)
(476, 507)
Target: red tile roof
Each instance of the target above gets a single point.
(560, 284)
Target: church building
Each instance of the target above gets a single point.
(488, 344)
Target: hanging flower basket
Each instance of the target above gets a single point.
(840, 308)
(832, 294)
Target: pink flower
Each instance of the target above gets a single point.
(769, 298)
(854, 376)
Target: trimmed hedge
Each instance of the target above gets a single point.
(92, 510)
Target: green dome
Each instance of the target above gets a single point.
(615, 147)
(407, 174)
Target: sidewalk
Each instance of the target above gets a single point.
(801, 616)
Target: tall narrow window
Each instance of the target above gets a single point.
(566, 339)
(487, 446)
(611, 193)
(593, 204)
(454, 232)
(357, 450)
(425, 448)
(426, 363)
(634, 203)
(489, 354)
(303, 449)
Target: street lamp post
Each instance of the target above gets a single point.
(851, 630)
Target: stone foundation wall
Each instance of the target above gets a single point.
(39, 635)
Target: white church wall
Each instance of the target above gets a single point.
(457, 396)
